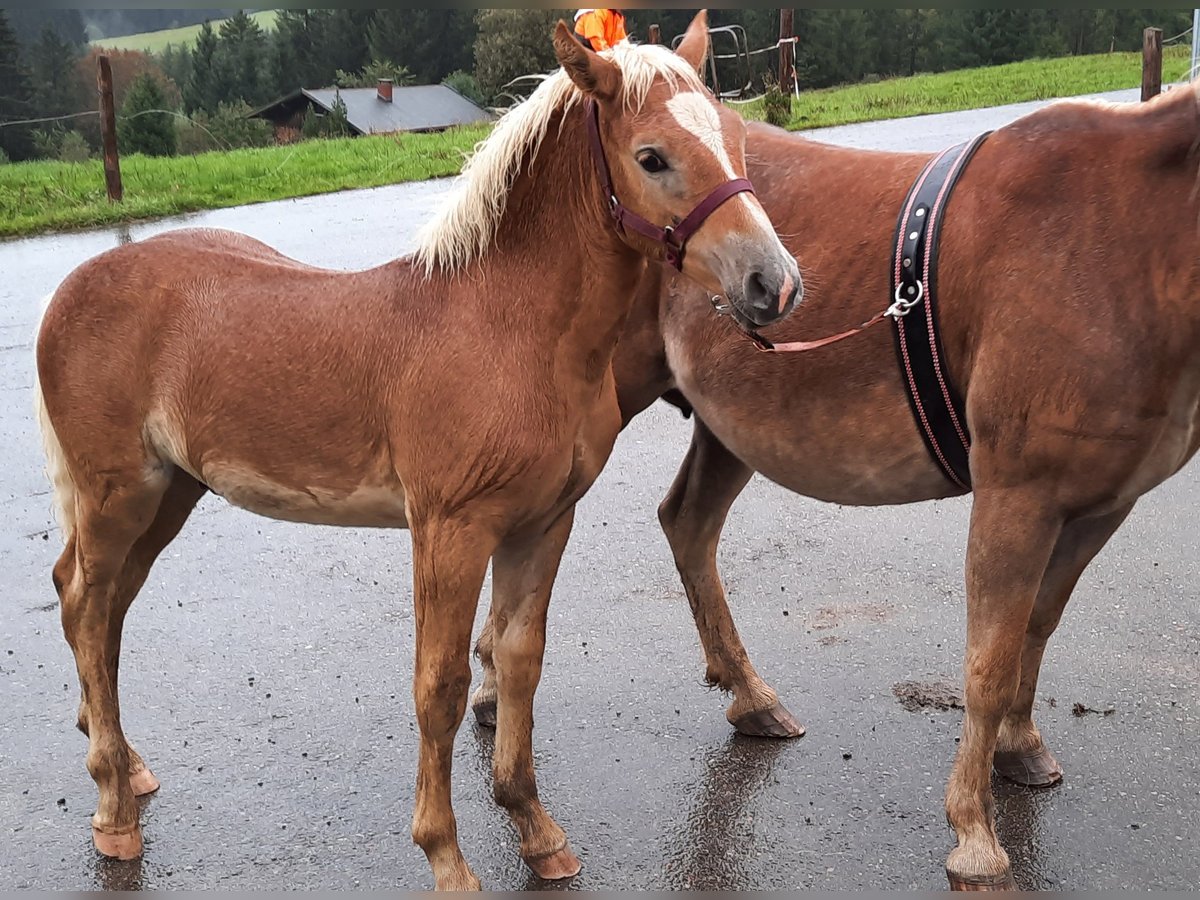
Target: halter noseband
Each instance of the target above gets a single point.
(672, 238)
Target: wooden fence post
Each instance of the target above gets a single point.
(108, 129)
(655, 36)
(787, 52)
(1152, 65)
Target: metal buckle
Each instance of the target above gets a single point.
(722, 309)
(902, 307)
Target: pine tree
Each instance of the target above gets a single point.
(834, 46)
(55, 78)
(987, 37)
(29, 23)
(138, 129)
(200, 91)
(16, 96)
(344, 39)
(430, 43)
(240, 57)
(176, 62)
(301, 52)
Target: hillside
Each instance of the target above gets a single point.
(157, 41)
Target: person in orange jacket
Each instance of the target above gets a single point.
(600, 29)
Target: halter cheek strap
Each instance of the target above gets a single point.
(673, 239)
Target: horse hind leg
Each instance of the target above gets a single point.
(177, 503)
(1021, 755)
(1011, 539)
(485, 698)
(692, 517)
(117, 537)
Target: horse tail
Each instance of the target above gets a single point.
(57, 471)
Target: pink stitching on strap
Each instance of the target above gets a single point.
(912, 200)
(937, 361)
(946, 467)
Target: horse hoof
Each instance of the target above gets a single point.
(1032, 770)
(125, 845)
(1003, 882)
(775, 722)
(485, 713)
(557, 866)
(143, 783)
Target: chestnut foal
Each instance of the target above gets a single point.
(466, 394)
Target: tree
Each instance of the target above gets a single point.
(30, 23)
(333, 124)
(16, 97)
(140, 129)
(240, 56)
(986, 37)
(231, 128)
(344, 37)
(371, 74)
(56, 87)
(203, 87)
(430, 43)
(834, 46)
(176, 62)
(511, 43)
(298, 51)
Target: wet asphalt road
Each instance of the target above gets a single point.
(266, 672)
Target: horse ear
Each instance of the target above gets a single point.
(595, 76)
(694, 47)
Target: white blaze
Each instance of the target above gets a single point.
(696, 114)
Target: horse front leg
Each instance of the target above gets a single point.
(1008, 551)
(1021, 755)
(523, 572)
(692, 517)
(450, 561)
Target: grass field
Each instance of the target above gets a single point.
(976, 88)
(52, 196)
(49, 196)
(157, 41)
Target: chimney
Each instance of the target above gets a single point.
(385, 90)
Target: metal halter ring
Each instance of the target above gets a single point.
(903, 307)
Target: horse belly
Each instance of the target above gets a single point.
(367, 505)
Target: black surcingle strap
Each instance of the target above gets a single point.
(936, 404)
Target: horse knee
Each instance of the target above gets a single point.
(441, 697)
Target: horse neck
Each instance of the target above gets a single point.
(558, 244)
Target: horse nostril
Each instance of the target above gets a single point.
(757, 293)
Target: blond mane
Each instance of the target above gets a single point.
(465, 226)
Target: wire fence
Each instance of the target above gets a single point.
(1178, 39)
(145, 112)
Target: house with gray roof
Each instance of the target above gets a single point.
(384, 109)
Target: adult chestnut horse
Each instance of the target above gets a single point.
(466, 394)
(1069, 299)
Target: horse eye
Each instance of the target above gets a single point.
(652, 162)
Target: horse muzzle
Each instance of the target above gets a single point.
(767, 293)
